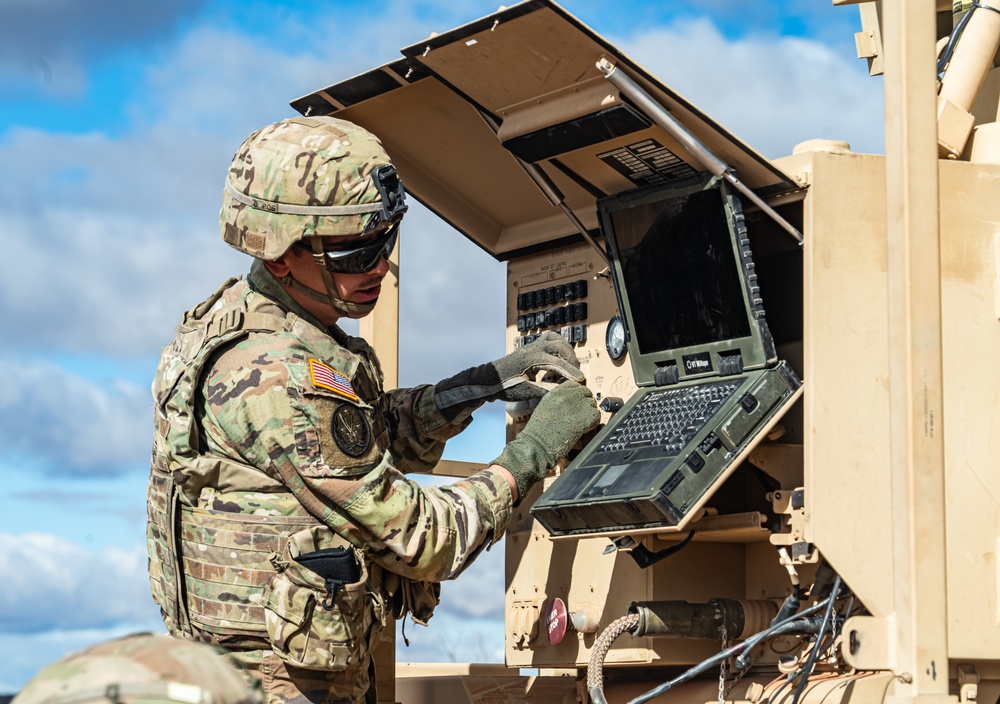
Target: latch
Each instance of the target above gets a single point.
(730, 364)
(790, 506)
(667, 375)
(968, 684)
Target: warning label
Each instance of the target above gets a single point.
(647, 163)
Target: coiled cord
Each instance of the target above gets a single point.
(595, 666)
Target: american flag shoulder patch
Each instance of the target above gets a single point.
(323, 376)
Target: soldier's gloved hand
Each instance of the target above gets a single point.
(561, 418)
(511, 378)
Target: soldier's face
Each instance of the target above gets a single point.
(354, 288)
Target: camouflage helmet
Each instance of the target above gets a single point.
(141, 668)
(298, 178)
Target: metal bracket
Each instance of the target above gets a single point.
(867, 643)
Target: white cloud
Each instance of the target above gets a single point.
(772, 92)
(452, 639)
(45, 45)
(52, 584)
(468, 624)
(478, 592)
(70, 425)
(227, 84)
(59, 597)
(452, 301)
(115, 237)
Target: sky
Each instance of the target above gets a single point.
(117, 124)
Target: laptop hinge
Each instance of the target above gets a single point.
(730, 364)
(667, 375)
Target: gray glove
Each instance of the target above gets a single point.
(561, 418)
(511, 378)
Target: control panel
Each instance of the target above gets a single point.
(562, 307)
(568, 291)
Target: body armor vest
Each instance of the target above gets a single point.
(230, 577)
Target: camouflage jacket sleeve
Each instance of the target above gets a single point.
(418, 429)
(259, 407)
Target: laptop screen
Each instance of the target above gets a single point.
(685, 280)
(680, 272)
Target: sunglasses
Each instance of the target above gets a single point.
(360, 260)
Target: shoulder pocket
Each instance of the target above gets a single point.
(341, 438)
(347, 437)
(336, 431)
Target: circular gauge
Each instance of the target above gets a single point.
(614, 339)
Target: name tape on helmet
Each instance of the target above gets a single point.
(270, 206)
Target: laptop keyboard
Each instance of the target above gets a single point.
(671, 417)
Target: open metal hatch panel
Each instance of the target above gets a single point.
(462, 109)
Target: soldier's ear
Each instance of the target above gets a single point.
(279, 267)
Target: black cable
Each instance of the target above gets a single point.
(799, 672)
(798, 622)
(819, 637)
(833, 640)
(790, 605)
(956, 34)
(742, 662)
(774, 697)
(644, 557)
(838, 623)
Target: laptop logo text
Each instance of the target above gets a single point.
(697, 363)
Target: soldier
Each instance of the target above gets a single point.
(141, 668)
(282, 524)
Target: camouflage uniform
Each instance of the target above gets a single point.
(141, 668)
(258, 458)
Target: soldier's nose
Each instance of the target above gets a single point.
(382, 268)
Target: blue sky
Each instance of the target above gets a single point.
(116, 127)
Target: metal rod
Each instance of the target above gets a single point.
(662, 117)
(556, 197)
(550, 191)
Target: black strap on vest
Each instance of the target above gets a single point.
(371, 696)
(174, 528)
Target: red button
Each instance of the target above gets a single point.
(556, 620)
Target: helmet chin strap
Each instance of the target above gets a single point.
(351, 310)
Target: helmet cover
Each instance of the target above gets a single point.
(301, 177)
(141, 668)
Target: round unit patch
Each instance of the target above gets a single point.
(351, 430)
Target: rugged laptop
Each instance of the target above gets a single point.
(702, 355)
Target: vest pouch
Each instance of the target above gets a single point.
(311, 627)
(409, 596)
